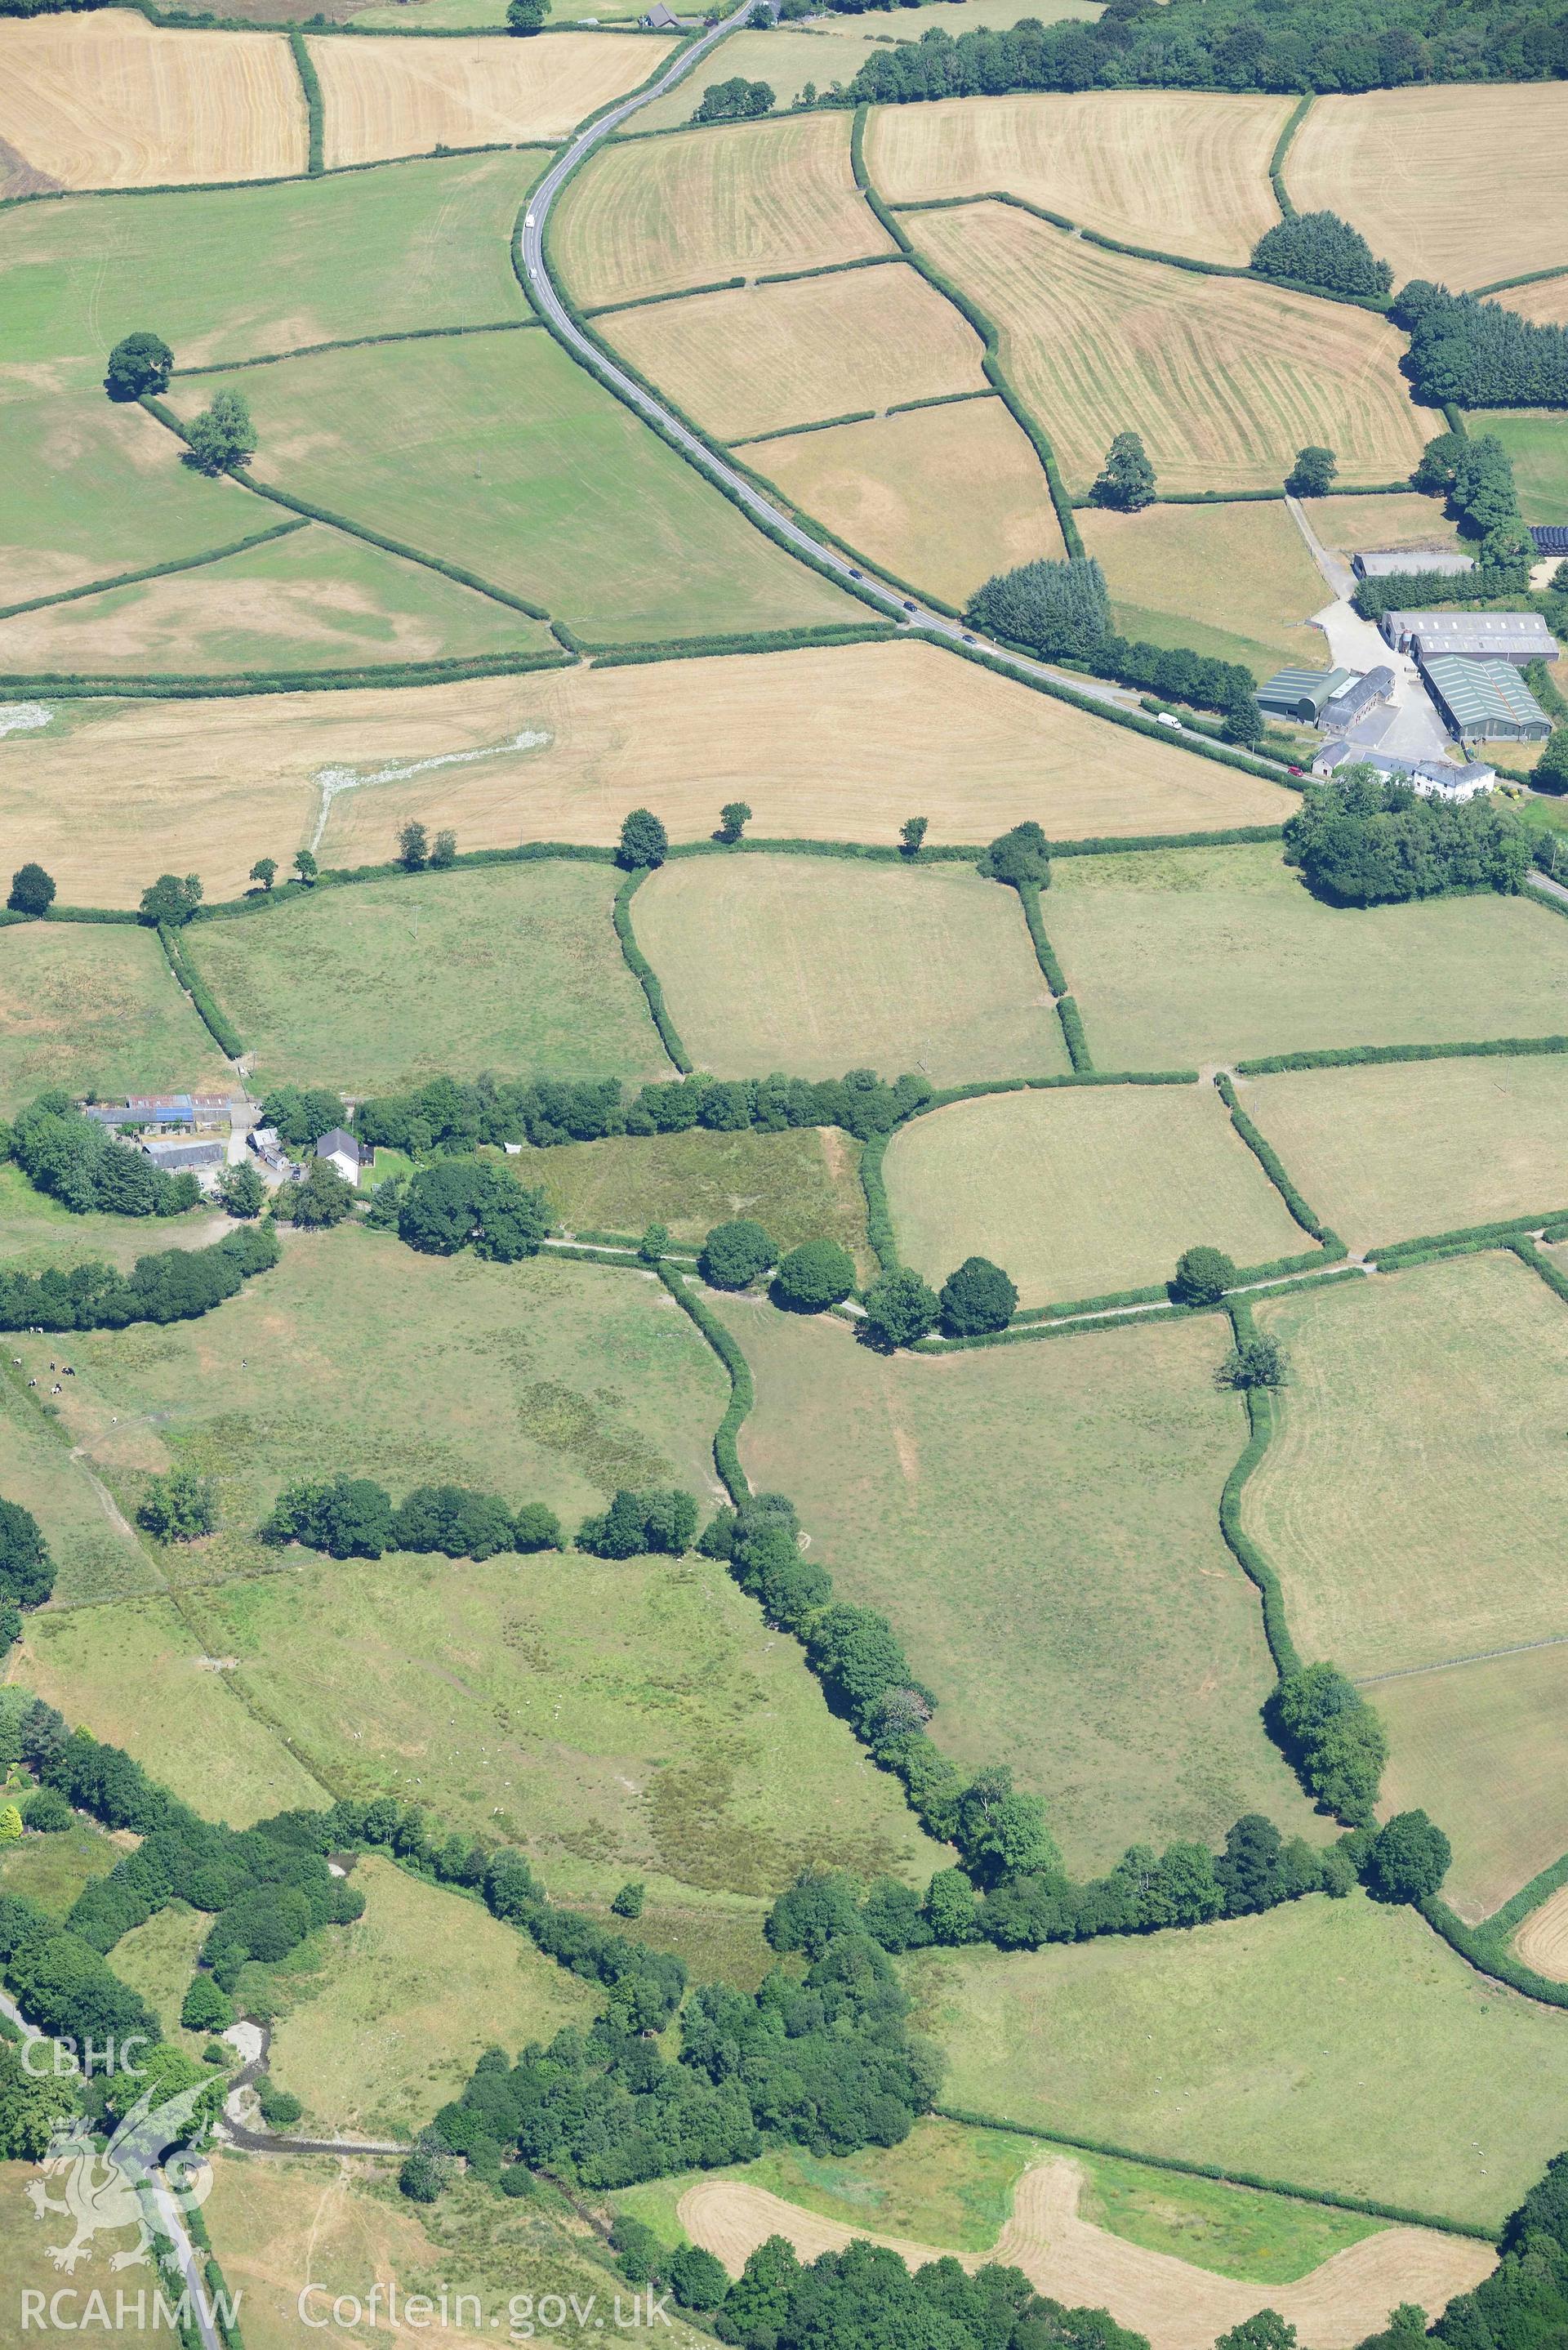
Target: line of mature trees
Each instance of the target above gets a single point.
(77, 1161)
(355, 1517)
(1360, 841)
(1478, 353)
(176, 1285)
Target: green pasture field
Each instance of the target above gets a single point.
(97, 1009)
(796, 1185)
(794, 963)
(1186, 957)
(52, 1870)
(237, 272)
(315, 600)
(89, 490)
(1480, 1748)
(96, 1555)
(515, 967)
(1334, 2045)
(36, 1231)
(951, 2185)
(1234, 583)
(374, 2040)
(1040, 1524)
(1081, 1192)
(1537, 440)
(158, 1960)
(621, 1717)
(1386, 1154)
(134, 1669)
(497, 453)
(26, 2267)
(1412, 1496)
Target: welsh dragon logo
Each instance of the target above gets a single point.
(117, 2187)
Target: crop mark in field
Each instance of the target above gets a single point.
(23, 717)
(1452, 1664)
(331, 781)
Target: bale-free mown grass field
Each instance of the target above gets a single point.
(1386, 1154)
(796, 1185)
(1082, 1191)
(373, 2040)
(620, 1718)
(1186, 957)
(1039, 1524)
(392, 98)
(97, 1009)
(1333, 2044)
(652, 215)
(1224, 378)
(384, 984)
(496, 454)
(941, 496)
(1180, 170)
(1413, 1493)
(815, 966)
(237, 272)
(1537, 441)
(1233, 582)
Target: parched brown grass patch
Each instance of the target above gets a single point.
(1542, 1940)
(769, 355)
(390, 96)
(111, 101)
(219, 784)
(1462, 183)
(1546, 303)
(1181, 171)
(941, 496)
(1399, 519)
(1224, 378)
(659, 214)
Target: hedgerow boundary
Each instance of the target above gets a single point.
(153, 570)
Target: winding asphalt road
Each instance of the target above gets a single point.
(908, 611)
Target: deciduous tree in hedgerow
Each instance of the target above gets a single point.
(223, 436)
(306, 866)
(816, 1274)
(696, 2279)
(179, 1507)
(413, 847)
(32, 891)
(170, 900)
(1244, 721)
(734, 1254)
(735, 101)
(526, 15)
(1313, 474)
(138, 363)
(443, 851)
(1125, 481)
(976, 1299)
(265, 871)
(1408, 1859)
(733, 818)
(1267, 2330)
(1202, 1276)
(1020, 857)
(1253, 1362)
(900, 1308)
(912, 834)
(643, 841)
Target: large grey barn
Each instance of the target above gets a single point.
(1517, 637)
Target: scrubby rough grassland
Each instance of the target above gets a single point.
(1463, 184)
(1182, 171)
(782, 964)
(429, 244)
(1192, 956)
(1412, 1495)
(381, 986)
(389, 97)
(754, 360)
(1039, 1524)
(223, 783)
(111, 101)
(96, 1009)
(943, 497)
(1333, 2043)
(796, 1185)
(1225, 379)
(497, 453)
(648, 217)
(1081, 1192)
(1232, 582)
(1386, 1154)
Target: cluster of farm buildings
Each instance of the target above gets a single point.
(201, 1134)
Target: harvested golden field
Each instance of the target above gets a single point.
(1386, 1154)
(1546, 302)
(1181, 171)
(1172, 2304)
(1225, 379)
(562, 755)
(653, 214)
(390, 96)
(1082, 1193)
(1412, 1494)
(753, 361)
(943, 496)
(1234, 582)
(1495, 205)
(814, 966)
(108, 101)
(1542, 1940)
(1399, 519)
(1483, 1749)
